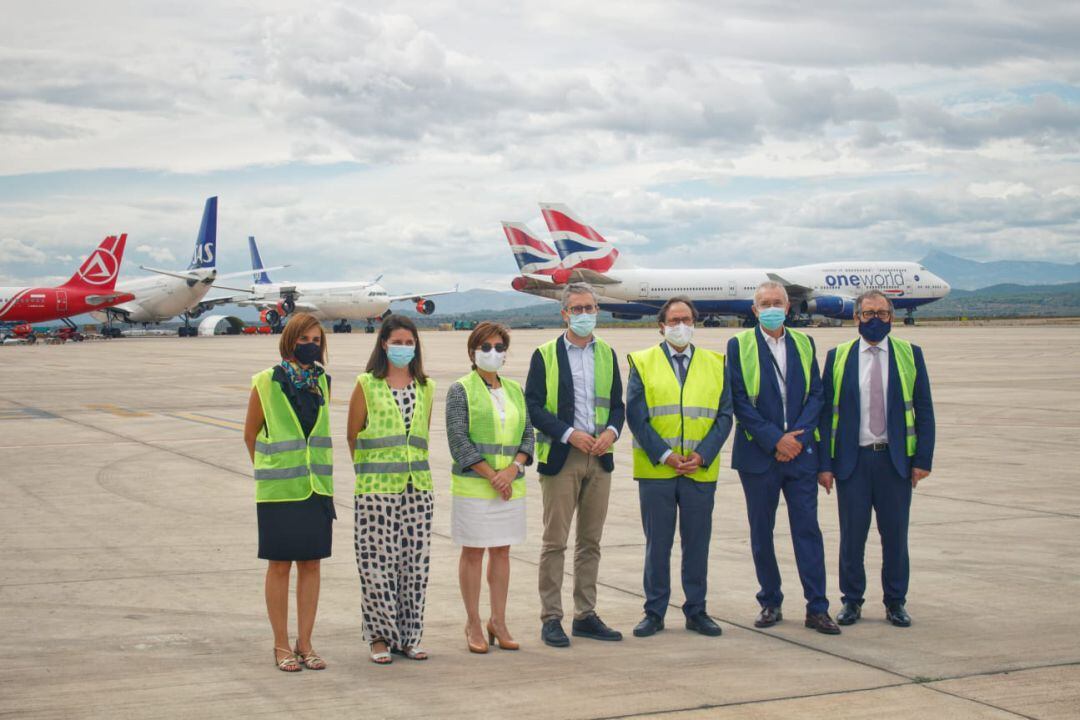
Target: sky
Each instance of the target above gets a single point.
(363, 139)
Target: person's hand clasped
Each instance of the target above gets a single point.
(788, 447)
(674, 460)
(503, 480)
(690, 464)
(602, 442)
(583, 441)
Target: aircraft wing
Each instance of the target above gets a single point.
(264, 304)
(244, 273)
(170, 273)
(208, 303)
(794, 290)
(417, 297)
(591, 277)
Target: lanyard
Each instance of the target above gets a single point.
(783, 387)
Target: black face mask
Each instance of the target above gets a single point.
(874, 329)
(307, 353)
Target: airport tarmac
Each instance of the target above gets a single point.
(131, 588)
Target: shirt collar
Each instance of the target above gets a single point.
(566, 339)
(688, 351)
(864, 347)
(770, 339)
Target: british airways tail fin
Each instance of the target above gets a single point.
(579, 245)
(261, 277)
(205, 255)
(99, 270)
(533, 255)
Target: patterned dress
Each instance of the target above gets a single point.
(393, 549)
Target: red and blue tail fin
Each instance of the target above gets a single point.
(533, 255)
(101, 267)
(579, 245)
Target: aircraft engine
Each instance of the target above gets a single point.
(519, 283)
(22, 330)
(560, 276)
(270, 316)
(196, 311)
(830, 306)
(287, 306)
(425, 307)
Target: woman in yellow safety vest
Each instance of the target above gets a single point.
(491, 442)
(287, 432)
(389, 422)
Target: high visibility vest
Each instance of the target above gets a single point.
(681, 414)
(603, 372)
(498, 442)
(751, 369)
(386, 456)
(288, 466)
(905, 365)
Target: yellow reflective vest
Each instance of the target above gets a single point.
(751, 369)
(603, 377)
(386, 455)
(905, 365)
(682, 415)
(498, 441)
(288, 466)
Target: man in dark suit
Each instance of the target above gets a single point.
(574, 398)
(877, 442)
(776, 391)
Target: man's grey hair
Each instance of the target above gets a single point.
(771, 285)
(577, 289)
(871, 294)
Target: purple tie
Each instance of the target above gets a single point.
(877, 394)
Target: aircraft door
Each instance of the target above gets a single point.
(731, 288)
(61, 301)
(643, 291)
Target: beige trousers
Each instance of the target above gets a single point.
(582, 486)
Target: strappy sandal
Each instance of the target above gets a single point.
(413, 653)
(289, 663)
(381, 658)
(311, 660)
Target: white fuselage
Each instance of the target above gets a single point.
(161, 297)
(327, 300)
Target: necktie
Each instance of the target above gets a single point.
(681, 361)
(877, 394)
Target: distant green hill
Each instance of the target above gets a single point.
(1009, 300)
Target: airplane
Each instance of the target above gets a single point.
(172, 293)
(826, 289)
(338, 301)
(93, 286)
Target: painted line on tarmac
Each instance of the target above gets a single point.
(208, 420)
(115, 410)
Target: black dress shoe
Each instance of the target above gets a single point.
(849, 614)
(649, 625)
(702, 623)
(591, 626)
(898, 616)
(822, 623)
(768, 617)
(552, 634)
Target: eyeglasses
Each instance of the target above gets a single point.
(879, 314)
(673, 321)
(487, 347)
(581, 309)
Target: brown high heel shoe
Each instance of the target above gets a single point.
(478, 649)
(505, 642)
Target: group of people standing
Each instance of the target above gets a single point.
(865, 426)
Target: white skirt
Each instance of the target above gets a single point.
(487, 522)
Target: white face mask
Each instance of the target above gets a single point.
(679, 335)
(489, 361)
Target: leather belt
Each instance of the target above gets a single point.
(876, 447)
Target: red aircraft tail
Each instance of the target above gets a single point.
(99, 270)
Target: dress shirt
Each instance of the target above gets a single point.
(778, 348)
(582, 361)
(865, 362)
(687, 352)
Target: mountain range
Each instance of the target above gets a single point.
(965, 274)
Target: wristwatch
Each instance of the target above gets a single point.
(520, 466)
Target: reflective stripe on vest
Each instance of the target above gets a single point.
(603, 377)
(386, 456)
(288, 466)
(681, 415)
(751, 369)
(498, 442)
(905, 366)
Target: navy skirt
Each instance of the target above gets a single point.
(301, 530)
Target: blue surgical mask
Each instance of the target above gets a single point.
(307, 353)
(875, 329)
(583, 325)
(400, 355)
(772, 318)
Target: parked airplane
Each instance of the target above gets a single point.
(173, 293)
(827, 289)
(92, 287)
(339, 301)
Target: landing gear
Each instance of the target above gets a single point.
(342, 327)
(370, 328)
(910, 319)
(186, 330)
(711, 322)
(108, 331)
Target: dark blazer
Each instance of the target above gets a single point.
(555, 426)
(847, 432)
(766, 421)
(637, 416)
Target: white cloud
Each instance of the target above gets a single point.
(157, 253)
(13, 250)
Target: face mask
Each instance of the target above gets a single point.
(772, 318)
(874, 330)
(400, 355)
(307, 353)
(490, 361)
(583, 325)
(679, 335)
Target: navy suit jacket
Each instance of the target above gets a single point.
(847, 432)
(766, 421)
(555, 426)
(637, 416)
